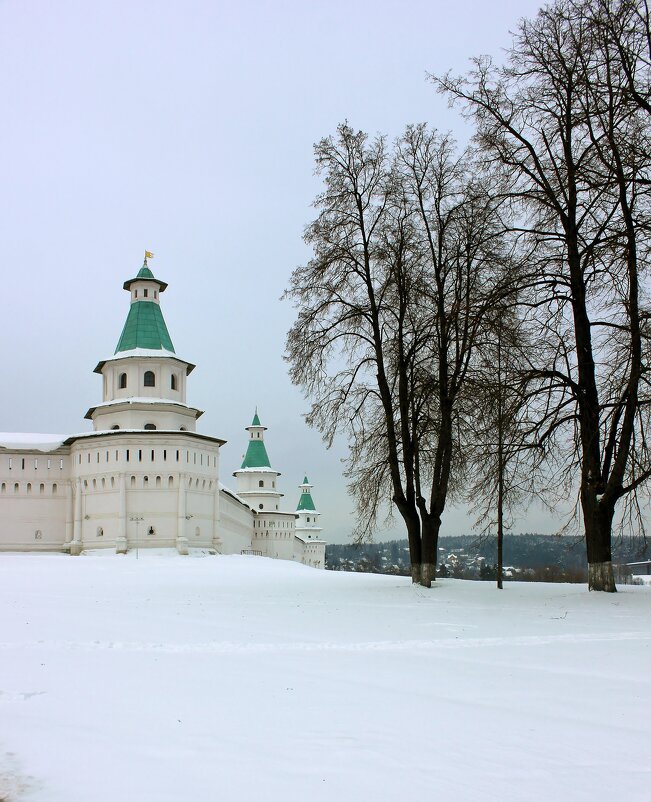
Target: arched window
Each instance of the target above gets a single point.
(261, 506)
(133, 481)
(150, 378)
(158, 481)
(150, 426)
(54, 489)
(41, 488)
(16, 487)
(261, 483)
(29, 487)
(173, 381)
(123, 381)
(115, 427)
(182, 429)
(170, 481)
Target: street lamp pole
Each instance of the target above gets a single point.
(137, 519)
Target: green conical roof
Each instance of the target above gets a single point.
(305, 502)
(145, 328)
(256, 455)
(145, 272)
(256, 420)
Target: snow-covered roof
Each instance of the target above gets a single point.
(155, 432)
(309, 540)
(34, 441)
(256, 470)
(144, 353)
(31, 441)
(141, 400)
(232, 493)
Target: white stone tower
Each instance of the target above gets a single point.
(256, 479)
(144, 383)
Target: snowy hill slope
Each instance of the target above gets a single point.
(241, 678)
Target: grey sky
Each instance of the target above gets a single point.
(187, 128)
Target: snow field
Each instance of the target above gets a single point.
(242, 678)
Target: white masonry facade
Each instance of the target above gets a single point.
(144, 477)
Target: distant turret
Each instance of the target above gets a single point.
(256, 479)
(307, 525)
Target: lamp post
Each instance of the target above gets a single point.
(137, 519)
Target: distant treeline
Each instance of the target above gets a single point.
(527, 552)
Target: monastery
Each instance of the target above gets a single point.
(144, 477)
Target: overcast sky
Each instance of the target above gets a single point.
(187, 128)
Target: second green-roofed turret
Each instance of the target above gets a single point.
(305, 501)
(256, 479)
(256, 453)
(307, 526)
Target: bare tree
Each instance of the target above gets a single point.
(389, 310)
(557, 123)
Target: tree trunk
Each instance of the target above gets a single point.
(412, 522)
(601, 577)
(430, 526)
(598, 518)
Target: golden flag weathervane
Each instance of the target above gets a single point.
(148, 255)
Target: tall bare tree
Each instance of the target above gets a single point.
(557, 122)
(389, 310)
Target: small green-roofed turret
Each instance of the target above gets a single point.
(305, 501)
(256, 453)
